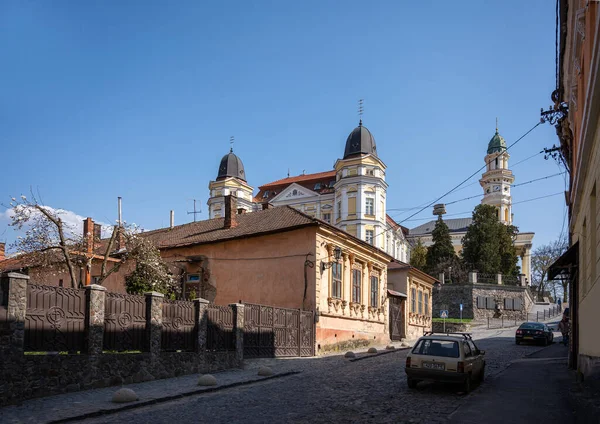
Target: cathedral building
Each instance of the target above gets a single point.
(496, 183)
(352, 196)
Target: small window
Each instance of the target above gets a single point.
(339, 210)
(369, 236)
(327, 217)
(336, 284)
(467, 349)
(193, 278)
(266, 194)
(317, 186)
(370, 172)
(60, 283)
(426, 311)
(420, 302)
(370, 206)
(413, 300)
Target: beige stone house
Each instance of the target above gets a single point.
(410, 297)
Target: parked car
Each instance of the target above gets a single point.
(534, 332)
(445, 357)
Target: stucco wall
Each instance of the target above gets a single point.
(403, 280)
(268, 270)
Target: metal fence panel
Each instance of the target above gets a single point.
(55, 319)
(179, 325)
(124, 322)
(220, 334)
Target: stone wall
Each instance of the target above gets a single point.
(438, 327)
(449, 297)
(32, 374)
(29, 376)
(499, 293)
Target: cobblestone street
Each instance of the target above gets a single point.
(330, 389)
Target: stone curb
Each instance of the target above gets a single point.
(371, 355)
(139, 404)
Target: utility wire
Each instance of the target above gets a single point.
(462, 182)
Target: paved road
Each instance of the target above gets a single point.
(331, 390)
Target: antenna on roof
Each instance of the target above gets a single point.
(231, 141)
(288, 172)
(360, 109)
(496, 125)
(194, 212)
(304, 172)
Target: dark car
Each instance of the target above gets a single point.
(534, 332)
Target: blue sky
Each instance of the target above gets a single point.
(138, 99)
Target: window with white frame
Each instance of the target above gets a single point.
(370, 206)
(327, 217)
(426, 312)
(413, 300)
(420, 302)
(369, 236)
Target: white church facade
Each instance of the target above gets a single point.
(352, 196)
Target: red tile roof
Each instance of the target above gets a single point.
(212, 230)
(300, 178)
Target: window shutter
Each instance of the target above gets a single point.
(518, 305)
(481, 302)
(490, 304)
(509, 304)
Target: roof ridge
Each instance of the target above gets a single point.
(298, 178)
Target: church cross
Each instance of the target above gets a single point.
(231, 141)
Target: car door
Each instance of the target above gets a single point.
(470, 365)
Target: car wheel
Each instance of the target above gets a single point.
(412, 384)
(467, 384)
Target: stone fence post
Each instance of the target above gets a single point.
(94, 320)
(472, 277)
(522, 280)
(154, 321)
(498, 278)
(202, 324)
(238, 329)
(13, 297)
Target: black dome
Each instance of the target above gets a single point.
(231, 166)
(360, 141)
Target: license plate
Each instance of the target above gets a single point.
(434, 366)
(528, 338)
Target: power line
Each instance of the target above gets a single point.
(462, 182)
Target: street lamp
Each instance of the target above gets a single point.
(337, 254)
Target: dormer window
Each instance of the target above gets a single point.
(266, 194)
(331, 184)
(317, 186)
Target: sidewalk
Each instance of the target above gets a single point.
(79, 405)
(534, 389)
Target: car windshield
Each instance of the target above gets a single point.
(531, 326)
(432, 347)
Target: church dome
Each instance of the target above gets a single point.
(231, 166)
(360, 141)
(496, 144)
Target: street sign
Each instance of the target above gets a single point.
(461, 307)
(443, 314)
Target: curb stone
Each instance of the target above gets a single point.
(140, 404)
(374, 355)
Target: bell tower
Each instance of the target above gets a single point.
(496, 181)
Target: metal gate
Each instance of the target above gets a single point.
(396, 318)
(270, 332)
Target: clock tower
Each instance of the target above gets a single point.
(496, 181)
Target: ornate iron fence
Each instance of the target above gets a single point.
(487, 278)
(271, 331)
(220, 335)
(124, 322)
(179, 326)
(55, 319)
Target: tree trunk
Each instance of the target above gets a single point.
(103, 273)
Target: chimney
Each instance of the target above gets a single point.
(119, 222)
(88, 234)
(2, 251)
(230, 218)
(266, 206)
(172, 218)
(241, 211)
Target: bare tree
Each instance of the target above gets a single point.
(541, 259)
(48, 243)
